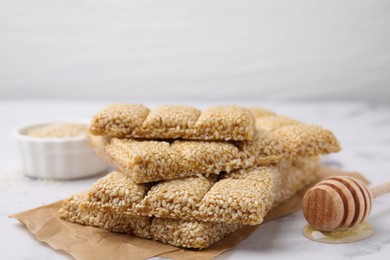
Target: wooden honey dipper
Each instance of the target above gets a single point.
(339, 202)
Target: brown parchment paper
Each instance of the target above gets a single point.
(84, 242)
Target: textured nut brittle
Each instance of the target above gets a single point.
(190, 234)
(183, 233)
(174, 122)
(115, 193)
(277, 138)
(148, 161)
(259, 111)
(242, 196)
(115, 222)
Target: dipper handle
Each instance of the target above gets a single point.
(380, 189)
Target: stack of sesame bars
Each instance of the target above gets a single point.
(187, 177)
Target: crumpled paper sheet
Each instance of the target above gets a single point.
(84, 242)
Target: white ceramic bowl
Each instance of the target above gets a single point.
(57, 158)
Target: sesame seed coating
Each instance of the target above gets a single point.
(190, 234)
(276, 139)
(115, 222)
(148, 161)
(273, 122)
(279, 183)
(259, 112)
(115, 193)
(230, 166)
(183, 233)
(241, 196)
(174, 122)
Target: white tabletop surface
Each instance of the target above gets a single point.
(363, 130)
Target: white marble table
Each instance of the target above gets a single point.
(363, 129)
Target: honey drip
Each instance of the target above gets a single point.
(353, 234)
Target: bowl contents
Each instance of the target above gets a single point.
(57, 151)
(58, 130)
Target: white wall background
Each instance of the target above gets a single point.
(192, 49)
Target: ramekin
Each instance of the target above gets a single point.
(57, 158)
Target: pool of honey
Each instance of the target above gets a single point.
(353, 234)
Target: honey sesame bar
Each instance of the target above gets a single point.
(115, 222)
(259, 111)
(174, 122)
(277, 138)
(241, 196)
(190, 234)
(183, 233)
